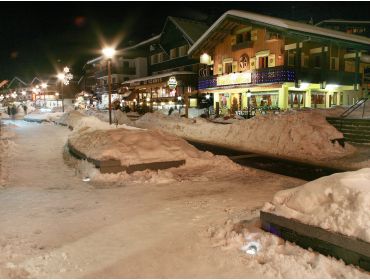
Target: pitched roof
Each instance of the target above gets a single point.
(190, 28)
(285, 24)
(16, 79)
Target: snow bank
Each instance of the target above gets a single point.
(295, 135)
(339, 203)
(43, 116)
(276, 258)
(7, 150)
(132, 146)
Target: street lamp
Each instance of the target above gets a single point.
(44, 86)
(64, 79)
(248, 103)
(109, 54)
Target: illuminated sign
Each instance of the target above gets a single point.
(234, 79)
(172, 82)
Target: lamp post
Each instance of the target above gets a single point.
(109, 54)
(64, 79)
(57, 97)
(249, 103)
(44, 86)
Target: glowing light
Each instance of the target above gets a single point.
(208, 96)
(252, 248)
(109, 52)
(44, 85)
(147, 99)
(205, 59)
(304, 85)
(86, 179)
(331, 86)
(60, 76)
(24, 92)
(57, 94)
(249, 94)
(66, 69)
(179, 98)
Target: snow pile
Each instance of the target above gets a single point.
(132, 146)
(7, 149)
(43, 116)
(339, 203)
(4, 115)
(295, 135)
(276, 258)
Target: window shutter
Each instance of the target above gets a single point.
(235, 66)
(271, 61)
(253, 63)
(219, 69)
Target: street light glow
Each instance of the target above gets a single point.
(109, 52)
(44, 85)
(60, 76)
(23, 92)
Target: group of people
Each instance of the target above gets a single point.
(13, 109)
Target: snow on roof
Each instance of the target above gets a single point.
(342, 21)
(17, 79)
(190, 28)
(159, 76)
(284, 23)
(128, 48)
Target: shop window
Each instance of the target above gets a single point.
(173, 53)
(264, 100)
(296, 99)
(318, 100)
(263, 62)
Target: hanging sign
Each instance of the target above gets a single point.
(172, 82)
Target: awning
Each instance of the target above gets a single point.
(164, 75)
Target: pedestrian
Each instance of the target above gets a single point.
(25, 109)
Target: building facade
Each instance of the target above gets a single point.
(172, 74)
(270, 63)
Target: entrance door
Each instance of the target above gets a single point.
(296, 99)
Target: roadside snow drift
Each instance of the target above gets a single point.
(338, 203)
(295, 135)
(131, 146)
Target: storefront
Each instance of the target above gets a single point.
(161, 91)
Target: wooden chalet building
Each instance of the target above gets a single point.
(278, 63)
(172, 75)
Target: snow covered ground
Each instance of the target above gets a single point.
(186, 222)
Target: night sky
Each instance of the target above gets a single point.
(39, 37)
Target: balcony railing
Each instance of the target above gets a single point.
(278, 74)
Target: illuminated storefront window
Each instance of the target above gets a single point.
(296, 99)
(318, 99)
(265, 99)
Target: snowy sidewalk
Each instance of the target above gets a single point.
(54, 225)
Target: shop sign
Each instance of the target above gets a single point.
(234, 79)
(172, 82)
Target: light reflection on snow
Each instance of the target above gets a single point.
(252, 248)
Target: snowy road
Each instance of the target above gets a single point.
(54, 225)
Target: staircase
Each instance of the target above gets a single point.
(354, 130)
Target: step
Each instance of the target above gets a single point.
(349, 249)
